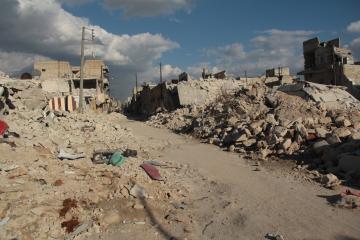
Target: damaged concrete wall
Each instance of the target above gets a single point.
(153, 99)
(53, 69)
(281, 71)
(351, 79)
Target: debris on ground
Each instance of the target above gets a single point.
(152, 171)
(348, 198)
(70, 156)
(274, 236)
(44, 198)
(290, 120)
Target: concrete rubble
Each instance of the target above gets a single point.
(169, 96)
(300, 119)
(44, 197)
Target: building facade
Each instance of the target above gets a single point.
(328, 63)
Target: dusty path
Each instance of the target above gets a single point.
(233, 201)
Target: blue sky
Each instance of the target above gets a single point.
(216, 23)
(185, 35)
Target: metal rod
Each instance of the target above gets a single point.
(81, 97)
(161, 80)
(136, 83)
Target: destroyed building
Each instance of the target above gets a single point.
(168, 96)
(59, 77)
(95, 74)
(328, 63)
(277, 72)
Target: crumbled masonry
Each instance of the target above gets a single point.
(262, 122)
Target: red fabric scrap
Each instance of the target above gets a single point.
(348, 191)
(151, 171)
(3, 127)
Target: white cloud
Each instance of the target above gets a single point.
(271, 48)
(355, 47)
(146, 8)
(142, 8)
(168, 72)
(354, 27)
(75, 2)
(229, 52)
(42, 27)
(14, 61)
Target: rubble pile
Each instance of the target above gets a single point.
(262, 121)
(51, 187)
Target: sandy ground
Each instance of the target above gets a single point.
(229, 198)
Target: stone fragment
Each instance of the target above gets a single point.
(249, 142)
(271, 101)
(111, 218)
(320, 146)
(138, 192)
(256, 127)
(356, 125)
(341, 121)
(264, 152)
(17, 172)
(138, 206)
(270, 118)
(325, 120)
(247, 132)
(293, 147)
(243, 137)
(274, 236)
(333, 139)
(286, 144)
(342, 132)
(330, 180)
(272, 139)
(231, 137)
(348, 201)
(321, 132)
(301, 129)
(280, 131)
(298, 138)
(231, 148)
(355, 136)
(285, 122)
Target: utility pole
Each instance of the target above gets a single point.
(161, 85)
(246, 80)
(81, 97)
(81, 94)
(136, 86)
(161, 73)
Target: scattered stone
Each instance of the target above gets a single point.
(355, 136)
(320, 146)
(286, 144)
(321, 132)
(58, 182)
(330, 180)
(138, 192)
(111, 218)
(280, 131)
(333, 139)
(70, 225)
(300, 128)
(17, 172)
(274, 236)
(138, 206)
(342, 132)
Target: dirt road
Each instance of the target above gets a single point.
(230, 200)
